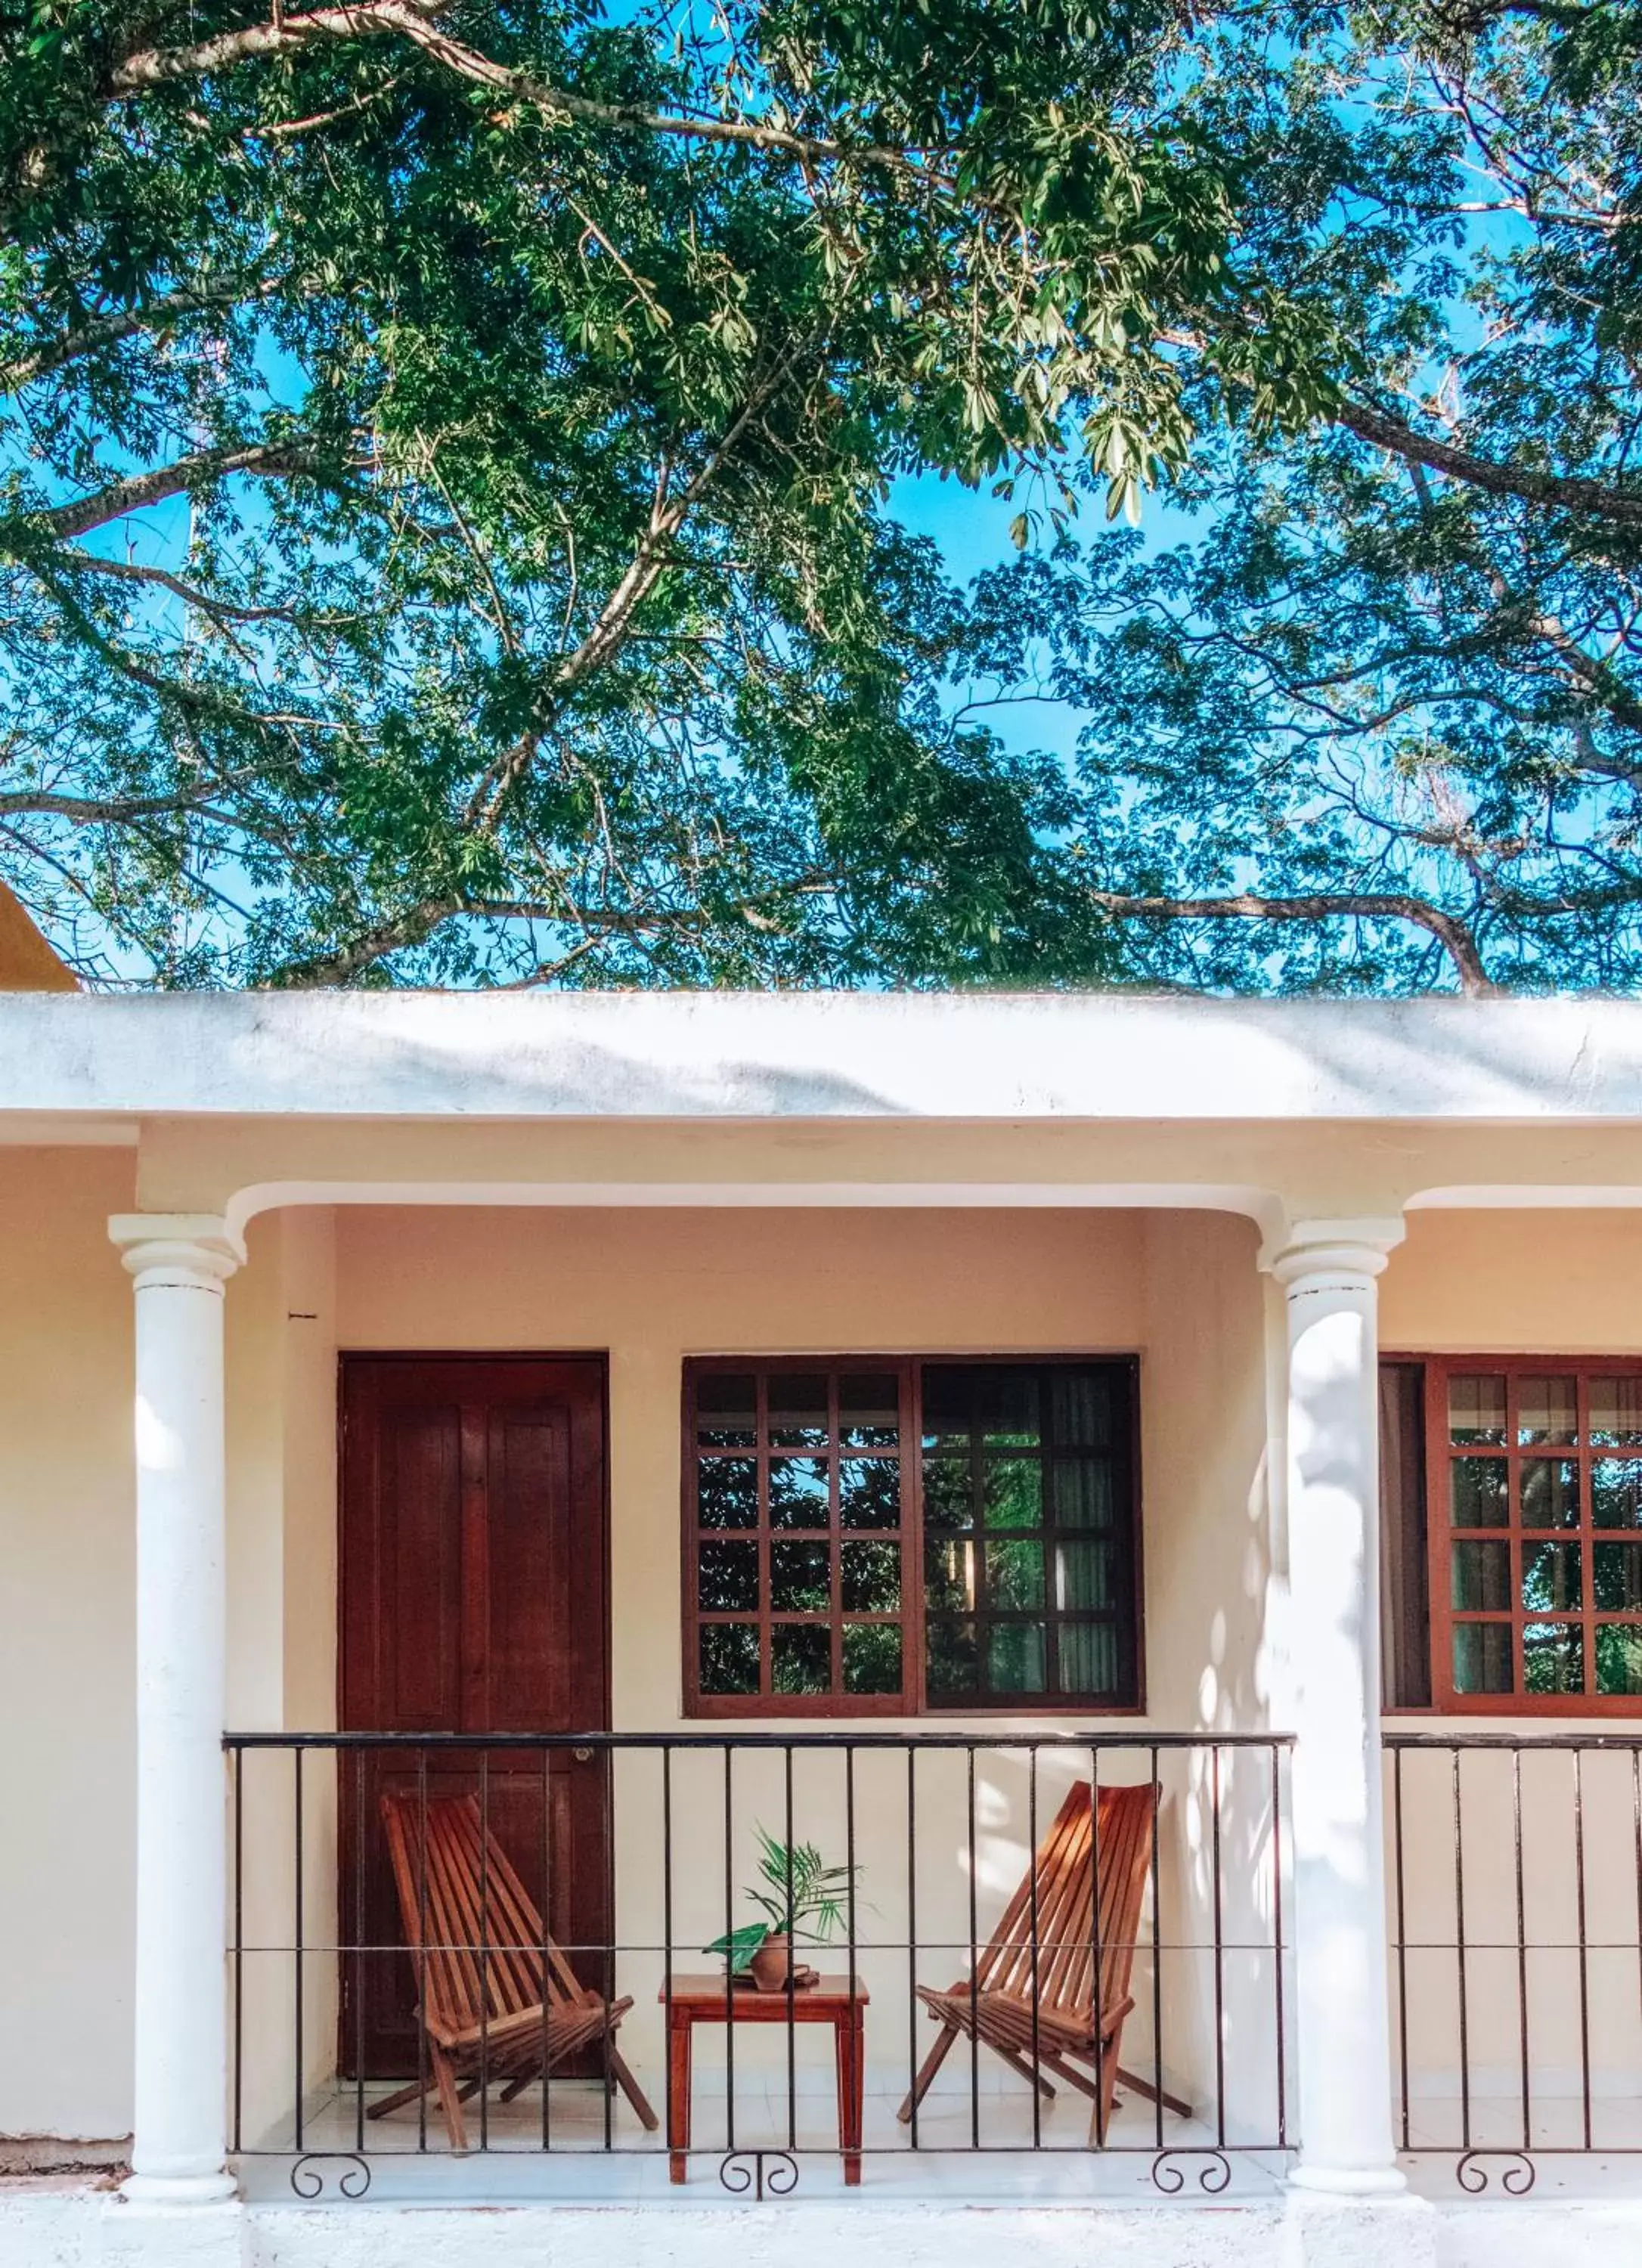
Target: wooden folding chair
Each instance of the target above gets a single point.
(1039, 2009)
(498, 2002)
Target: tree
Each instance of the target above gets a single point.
(1376, 721)
(446, 449)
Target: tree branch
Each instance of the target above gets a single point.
(1452, 934)
(108, 330)
(267, 460)
(1561, 492)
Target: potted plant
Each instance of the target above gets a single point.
(799, 1895)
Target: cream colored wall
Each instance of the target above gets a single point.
(1551, 1282)
(67, 1565)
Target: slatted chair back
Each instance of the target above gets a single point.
(481, 1949)
(1052, 1939)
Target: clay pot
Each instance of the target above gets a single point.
(772, 1961)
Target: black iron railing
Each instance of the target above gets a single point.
(599, 1866)
(1516, 1942)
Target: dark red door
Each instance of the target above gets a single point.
(473, 1572)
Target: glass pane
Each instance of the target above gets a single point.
(1616, 1412)
(1012, 1493)
(953, 1667)
(871, 1657)
(1616, 1576)
(996, 1401)
(800, 1658)
(798, 1493)
(726, 1492)
(1616, 1491)
(869, 1491)
(1480, 1577)
(727, 1578)
(1547, 1410)
(948, 1495)
(1482, 1657)
(1014, 1574)
(1080, 1492)
(798, 1411)
(1479, 1493)
(1618, 1658)
(1080, 1408)
(1551, 1492)
(949, 1576)
(1550, 1578)
(1083, 1575)
(729, 1657)
(1477, 1409)
(800, 1579)
(726, 1411)
(1553, 1658)
(1088, 1657)
(1014, 1657)
(871, 1579)
(869, 1411)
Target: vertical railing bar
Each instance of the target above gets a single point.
(1097, 1999)
(1219, 1962)
(1585, 1995)
(666, 1924)
(421, 1948)
(849, 1852)
(975, 1981)
(547, 1932)
(1459, 1943)
(606, 1964)
(912, 1938)
(1031, 1845)
(1157, 1962)
(1516, 1827)
(729, 1959)
(358, 1939)
(239, 1999)
(296, 1934)
(1276, 1933)
(1635, 1831)
(484, 1950)
(1396, 1816)
(793, 2108)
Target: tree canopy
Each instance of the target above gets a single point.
(448, 528)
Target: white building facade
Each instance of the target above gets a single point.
(888, 1423)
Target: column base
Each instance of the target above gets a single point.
(1348, 2181)
(179, 2189)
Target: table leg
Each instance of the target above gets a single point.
(679, 2098)
(850, 2037)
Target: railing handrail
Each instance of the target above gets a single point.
(1139, 1741)
(1526, 1742)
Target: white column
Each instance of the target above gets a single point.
(1328, 1271)
(181, 1264)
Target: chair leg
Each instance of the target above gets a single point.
(931, 2064)
(399, 2098)
(1138, 2086)
(449, 2098)
(1100, 2118)
(633, 2091)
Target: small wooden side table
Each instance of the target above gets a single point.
(693, 2000)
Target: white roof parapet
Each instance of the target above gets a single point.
(958, 1057)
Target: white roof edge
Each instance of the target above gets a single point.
(817, 1056)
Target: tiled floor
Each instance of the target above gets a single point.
(576, 2165)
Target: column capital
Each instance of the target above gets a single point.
(181, 1251)
(1347, 1247)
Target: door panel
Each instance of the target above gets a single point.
(472, 1569)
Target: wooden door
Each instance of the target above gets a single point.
(474, 1600)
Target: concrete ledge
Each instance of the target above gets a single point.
(82, 2228)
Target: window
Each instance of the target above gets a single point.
(1533, 1517)
(872, 1537)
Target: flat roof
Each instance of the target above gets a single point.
(830, 1055)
